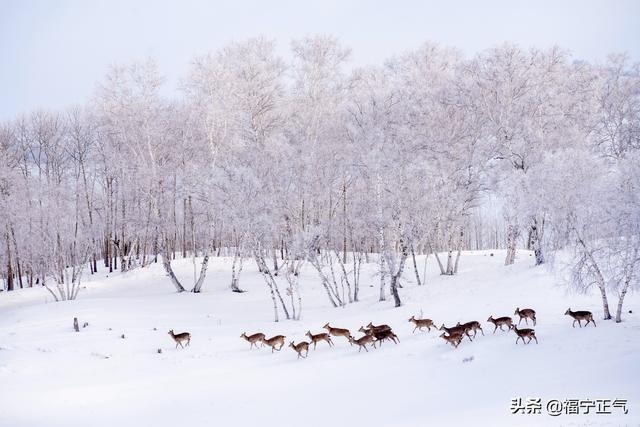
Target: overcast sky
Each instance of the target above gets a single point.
(52, 53)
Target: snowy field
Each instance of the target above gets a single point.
(52, 376)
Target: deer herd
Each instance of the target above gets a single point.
(374, 336)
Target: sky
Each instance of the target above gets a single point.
(53, 53)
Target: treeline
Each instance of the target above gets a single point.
(309, 161)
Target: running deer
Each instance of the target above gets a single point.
(179, 338)
(274, 341)
(580, 315)
(337, 332)
(526, 314)
(253, 339)
(455, 330)
(421, 323)
(383, 336)
(362, 342)
(319, 337)
(522, 333)
(378, 328)
(471, 326)
(299, 348)
(499, 322)
(454, 339)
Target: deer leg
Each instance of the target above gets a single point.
(536, 338)
(594, 322)
(414, 330)
(579, 323)
(482, 331)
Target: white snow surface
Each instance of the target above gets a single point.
(53, 376)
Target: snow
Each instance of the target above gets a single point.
(50, 375)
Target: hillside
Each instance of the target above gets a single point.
(52, 376)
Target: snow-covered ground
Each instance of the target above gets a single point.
(52, 376)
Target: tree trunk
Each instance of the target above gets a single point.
(512, 239)
(605, 302)
(271, 290)
(273, 285)
(442, 270)
(166, 262)
(9, 266)
(415, 266)
(449, 270)
(344, 224)
(457, 263)
(235, 273)
(395, 277)
(621, 300)
(203, 273)
(537, 231)
(315, 262)
(600, 282)
(381, 272)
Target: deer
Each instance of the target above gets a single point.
(421, 323)
(253, 339)
(274, 341)
(319, 337)
(299, 348)
(365, 331)
(453, 338)
(471, 326)
(363, 341)
(522, 333)
(455, 330)
(369, 331)
(337, 332)
(383, 336)
(580, 315)
(499, 322)
(526, 314)
(379, 328)
(179, 338)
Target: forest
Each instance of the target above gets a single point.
(311, 161)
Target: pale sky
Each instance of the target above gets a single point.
(52, 53)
